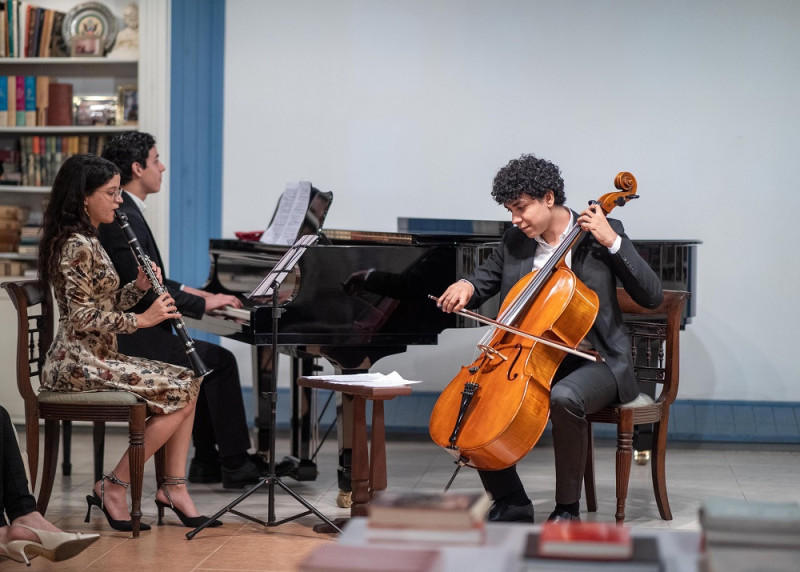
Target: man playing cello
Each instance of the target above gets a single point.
(532, 190)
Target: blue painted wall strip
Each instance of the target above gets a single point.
(691, 420)
(198, 28)
(196, 125)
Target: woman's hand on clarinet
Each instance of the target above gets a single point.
(456, 296)
(162, 308)
(142, 279)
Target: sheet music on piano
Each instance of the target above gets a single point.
(292, 207)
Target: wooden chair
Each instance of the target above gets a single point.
(34, 337)
(654, 340)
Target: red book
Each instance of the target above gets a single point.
(59, 104)
(20, 92)
(585, 540)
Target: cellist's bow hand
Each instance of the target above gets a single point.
(594, 220)
(456, 297)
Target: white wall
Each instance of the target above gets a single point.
(409, 107)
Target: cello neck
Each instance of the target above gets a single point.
(513, 310)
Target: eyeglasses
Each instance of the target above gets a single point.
(114, 195)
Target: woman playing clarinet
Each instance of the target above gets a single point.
(84, 357)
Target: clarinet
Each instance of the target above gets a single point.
(200, 369)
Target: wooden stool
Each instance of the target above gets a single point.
(368, 471)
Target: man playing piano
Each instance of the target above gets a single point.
(220, 433)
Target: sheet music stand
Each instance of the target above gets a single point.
(270, 287)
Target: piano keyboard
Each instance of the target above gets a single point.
(235, 313)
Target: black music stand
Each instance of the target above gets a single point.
(270, 285)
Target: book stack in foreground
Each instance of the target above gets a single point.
(453, 518)
(741, 535)
(332, 557)
(592, 547)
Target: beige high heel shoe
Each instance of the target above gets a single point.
(15, 550)
(55, 546)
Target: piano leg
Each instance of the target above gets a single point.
(344, 433)
(303, 426)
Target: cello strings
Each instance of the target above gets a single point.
(510, 314)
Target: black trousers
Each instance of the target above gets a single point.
(580, 387)
(16, 499)
(220, 424)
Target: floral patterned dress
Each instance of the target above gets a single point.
(84, 355)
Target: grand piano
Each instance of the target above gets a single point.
(358, 296)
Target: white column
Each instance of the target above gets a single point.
(155, 35)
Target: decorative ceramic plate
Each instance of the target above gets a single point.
(91, 19)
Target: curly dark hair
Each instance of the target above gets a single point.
(126, 149)
(529, 175)
(79, 177)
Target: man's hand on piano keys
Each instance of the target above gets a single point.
(240, 315)
(217, 301)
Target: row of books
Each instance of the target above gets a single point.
(424, 520)
(31, 31)
(37, 158)
(30, 101)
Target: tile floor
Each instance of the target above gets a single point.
(694, 471)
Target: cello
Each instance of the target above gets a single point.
(495, 410)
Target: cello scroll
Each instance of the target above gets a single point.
(626, 183)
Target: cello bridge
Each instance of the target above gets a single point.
(491, 352)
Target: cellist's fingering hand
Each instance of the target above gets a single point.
(594, 220)
(456, 296)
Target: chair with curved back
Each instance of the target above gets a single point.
(35, 312)
(654, 340)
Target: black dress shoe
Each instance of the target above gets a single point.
(561, 515)
(248, 474)
(261, 464)
(205, 472)
(502, 512)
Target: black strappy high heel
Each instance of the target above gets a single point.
(188, 521)
(94, 500)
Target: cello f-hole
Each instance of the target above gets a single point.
(511, 367)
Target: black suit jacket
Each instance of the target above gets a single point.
(154, 342)
(598, 269)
